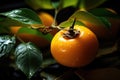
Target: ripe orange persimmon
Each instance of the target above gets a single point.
(76, 51)
(46, 18)
(40, 42)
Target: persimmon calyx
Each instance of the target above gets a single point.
(71, 32)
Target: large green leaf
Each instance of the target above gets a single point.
(55, 3)
(68, 23)
(47, 4)
(47, 62)
(6, 44)
(89, 4)
(105, 21)
(104, 12)
(28, 58)
(36, 4)
(67, 3)
(99, 25)
(35, 32)
(48, 76)
(22, 15)
(10, 22)
(85, 16)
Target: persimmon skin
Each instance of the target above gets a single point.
(46, 18)
(76, 52)
(39, 41)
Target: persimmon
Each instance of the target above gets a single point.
(46, 18)
(39, 41)
(74, 47)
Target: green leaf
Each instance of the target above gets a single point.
(48, 76)
(47, 62)
(10, 22)
(89, 4)
(28, 58)
(35, 32)
(6, 44)
(100, 26)
(104, 12)
(47, 4)
(23, 15)
(40, 4)
(87, 17)
(55, 3)
(68, 23)
(67, 3)
(105, 21)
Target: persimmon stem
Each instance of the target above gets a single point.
(71, 33)
(71, 29)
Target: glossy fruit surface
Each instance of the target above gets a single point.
(75, 52)
(39, 41)
(46, 18)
